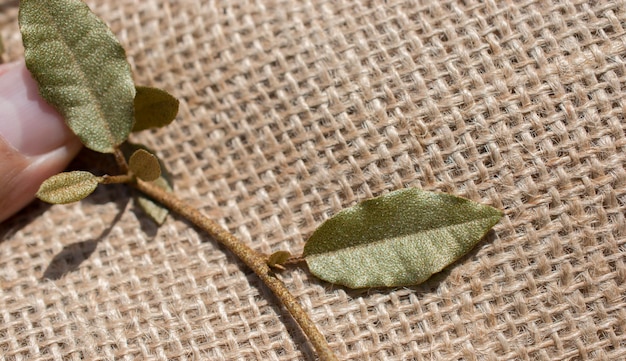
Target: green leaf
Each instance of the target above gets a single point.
(67, 187)
(81, 70)
(154, 108)
(144, 165)
(401, 238)
(153, 209)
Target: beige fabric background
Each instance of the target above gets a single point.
(292, 110)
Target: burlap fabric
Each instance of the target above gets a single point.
(291, 111)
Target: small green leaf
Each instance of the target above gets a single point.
(153, 209)
(401, 238)
(67, 187)
(81, 70)
(277, 258)
(154, 108)
(145, 165)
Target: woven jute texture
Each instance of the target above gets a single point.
(292, 110)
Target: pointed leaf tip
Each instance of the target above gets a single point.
(67, 187)
(81, 69)
(145, 165)
(401, 238)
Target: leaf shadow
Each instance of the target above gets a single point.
(148, 226)
(73, 255)
(69, 259)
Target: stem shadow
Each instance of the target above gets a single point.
(295, 332)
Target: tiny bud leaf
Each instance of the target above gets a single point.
(154, 108)
(145, 165)
(67, 187)
(401, 238)
(278, 258)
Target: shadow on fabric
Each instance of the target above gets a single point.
(73, 255)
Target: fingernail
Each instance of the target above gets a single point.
(27, 122)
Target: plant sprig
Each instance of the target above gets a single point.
(400, 238)
(61, 40)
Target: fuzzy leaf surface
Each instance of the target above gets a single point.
(81, 69)
(67, 187)
(154, 108)
(401, 238)
(145, 165)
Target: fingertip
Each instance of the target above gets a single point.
(28, 123)
(35, 143)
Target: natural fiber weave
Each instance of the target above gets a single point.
(292, 110)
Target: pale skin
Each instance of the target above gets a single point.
(35, 143)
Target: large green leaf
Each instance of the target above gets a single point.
(81, 70)
(400, 238)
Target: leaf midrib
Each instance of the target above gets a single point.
(396, 237)
(62, 37)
